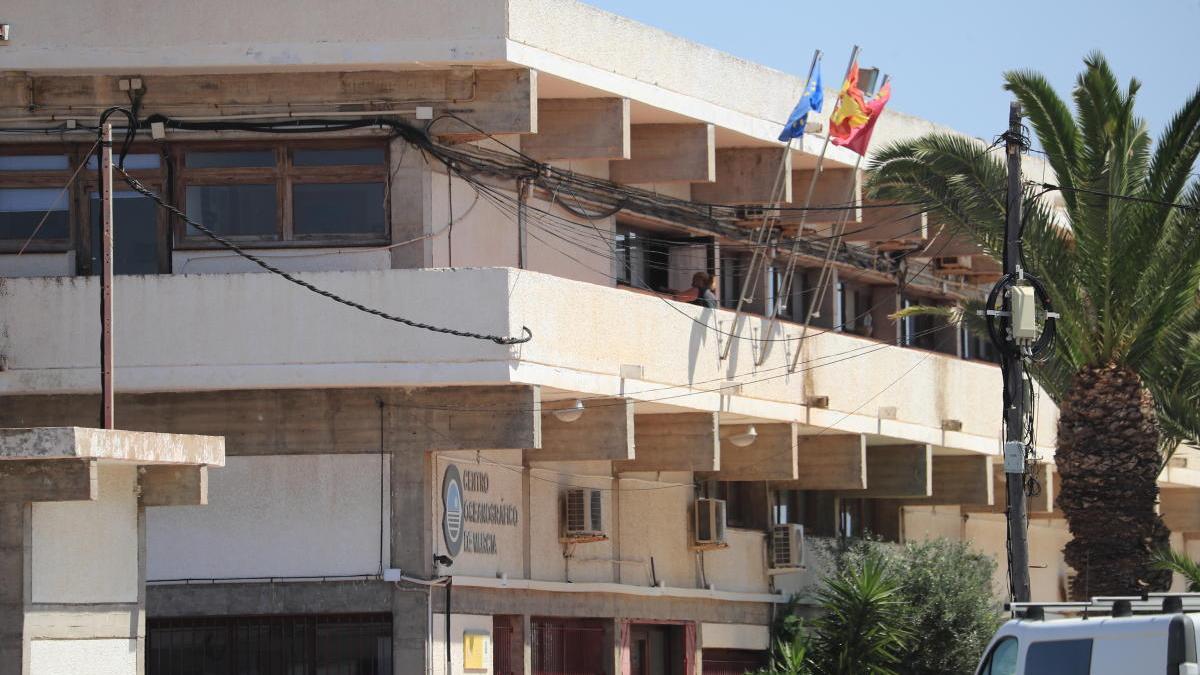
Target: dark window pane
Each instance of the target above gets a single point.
(135, 234)
(34, 163)
(339, 157)
(1060, 657)
(22, 208)
(338, 208)
(132, 162)
(236, 210)
(231, 159)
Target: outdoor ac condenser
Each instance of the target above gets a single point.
(582, 517)
(710, 522)
(787, 546)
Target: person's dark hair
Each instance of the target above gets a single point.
(702, 280)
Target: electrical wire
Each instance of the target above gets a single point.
(57, 197)
(1128, 198)
(133, 183)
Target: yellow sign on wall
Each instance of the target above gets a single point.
(475, 651)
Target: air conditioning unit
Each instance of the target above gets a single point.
(710, 522)
(787, 546)
(582, 518)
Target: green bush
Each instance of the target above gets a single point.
(920, 609)
(947, 591)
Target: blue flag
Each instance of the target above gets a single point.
(810, 101)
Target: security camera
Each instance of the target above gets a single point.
(443, 560)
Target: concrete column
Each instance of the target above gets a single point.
(14, 592)
(412, 552)
(412, 207)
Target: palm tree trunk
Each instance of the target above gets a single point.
(1108, 461)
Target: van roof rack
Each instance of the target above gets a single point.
(1116, 606)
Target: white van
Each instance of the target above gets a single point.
(1123, 644)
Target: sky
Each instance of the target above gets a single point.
(947, 58)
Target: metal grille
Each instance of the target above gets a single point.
(784, 547)
(597, 525)
(576, 516)
(567, 647)
(732, 661)
(358, 644)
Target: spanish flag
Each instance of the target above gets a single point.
(853, 120)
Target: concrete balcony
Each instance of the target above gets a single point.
(256, 331)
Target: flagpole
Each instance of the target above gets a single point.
(763, 234)
(785, 286)
(840, 228)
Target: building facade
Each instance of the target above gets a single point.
(640, 487)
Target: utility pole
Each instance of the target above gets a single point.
(1014, 373)
(106, 277)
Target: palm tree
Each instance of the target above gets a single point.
(1123, 274)
(862, 631)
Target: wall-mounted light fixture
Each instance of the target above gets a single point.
(745, 438)
(570, 414)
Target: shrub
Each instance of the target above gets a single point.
(862, 630)
(947, 591)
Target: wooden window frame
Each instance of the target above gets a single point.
(89, 182)
(55, 180)
(284, 174)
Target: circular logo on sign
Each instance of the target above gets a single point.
(452, 511)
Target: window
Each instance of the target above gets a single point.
(1002, 660)
(745, 503)
(291, 193)
(1059, 657)
(35, 201)
(659, 260)
(139, 225)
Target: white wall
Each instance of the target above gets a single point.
(459, 623)
(83, 657)
(37, 265)
(289, 260)
(87, 552)
(285, 515)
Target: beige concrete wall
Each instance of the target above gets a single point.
(275, 516)
(655, 522)
(87, 552)
(550, 559)
(741, 567)
(734, 636)
(987, 533)
(190, 333)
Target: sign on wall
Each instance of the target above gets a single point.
(469, 512)
(475, 651)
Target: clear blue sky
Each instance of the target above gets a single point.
(946, 57)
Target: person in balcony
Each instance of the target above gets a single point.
(703, 291)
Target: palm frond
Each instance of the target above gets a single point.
(1179, 563)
